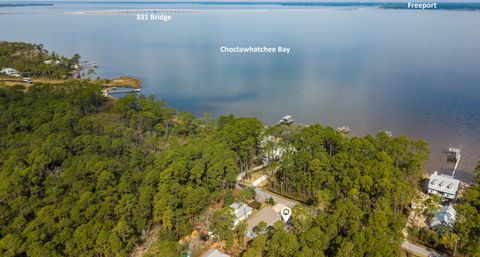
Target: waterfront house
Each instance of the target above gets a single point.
(48, 62)
(445, 217)
(10, 72)
(287, 119)
(274, 149)
(241, 211)
(443, 185)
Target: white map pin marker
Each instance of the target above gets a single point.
(286, 213)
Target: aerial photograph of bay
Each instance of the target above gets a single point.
(239, 128)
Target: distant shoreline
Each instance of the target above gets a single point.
(24, 4)
(397, 6)
(193, 10)
(466, 6)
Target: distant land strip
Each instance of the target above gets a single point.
(295, 7)
(23, 4)
(191, 10)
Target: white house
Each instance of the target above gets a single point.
(443, 185)
(48, 62)
(241, 211)
(10, 72)
(446, 216)
(274, 149)
(287, 119)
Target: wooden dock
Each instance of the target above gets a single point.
(454, 154)
(110, 91)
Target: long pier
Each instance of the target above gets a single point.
(124, 91)
(454, 154)
(110, 92)
(88, 65)
(456, 165)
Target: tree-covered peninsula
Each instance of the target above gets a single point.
(82, 175)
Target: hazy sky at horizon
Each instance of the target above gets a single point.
(400, 1)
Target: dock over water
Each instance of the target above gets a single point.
(111, 91)
(454, 154)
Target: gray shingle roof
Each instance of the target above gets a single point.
(240, 210)
(443, 183)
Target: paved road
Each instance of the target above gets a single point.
(262, 195)
(242, 174)
(421, 250)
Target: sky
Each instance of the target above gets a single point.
(438, 1)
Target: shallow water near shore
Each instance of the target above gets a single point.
(415, 73)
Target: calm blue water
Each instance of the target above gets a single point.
(411, 72)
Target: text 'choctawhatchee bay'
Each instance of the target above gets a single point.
(255, 49)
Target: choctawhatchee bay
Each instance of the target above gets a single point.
(411, 72)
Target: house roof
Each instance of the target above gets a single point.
(236, 205)
(240, 210)
(443, 183)
(215, 253)
(445, 216)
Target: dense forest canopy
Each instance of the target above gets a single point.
(468, 227)
(362, 186)
(82, 175)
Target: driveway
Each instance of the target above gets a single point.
(421, 250)
(263, 195)
(266, 214)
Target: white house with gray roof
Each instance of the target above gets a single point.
(10, 72)
(241, 211)
(443, 185)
